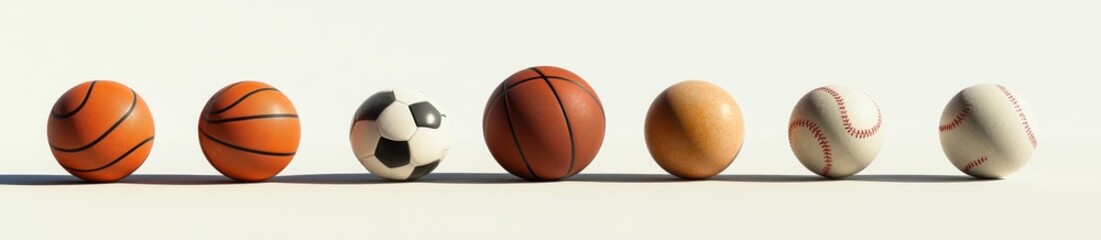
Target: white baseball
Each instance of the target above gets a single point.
(835, 131)
(985, 131)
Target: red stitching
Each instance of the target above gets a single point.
(958, 120)
(1021, 113)
(827, 154)
(854, 132)
(974, 164)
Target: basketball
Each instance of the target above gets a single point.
(249, 131)
(694, 129)
(100, 131)
(544, 123)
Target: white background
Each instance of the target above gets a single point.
(328, 56)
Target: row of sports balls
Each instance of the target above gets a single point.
(541, 123)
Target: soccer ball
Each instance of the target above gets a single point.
(399, 134)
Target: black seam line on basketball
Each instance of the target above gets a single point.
(489, 106)
(494, 98)
(543, 77)
(569, 128)
(219, 94)
(515, 139)
(227, 88)
(239, 100)
(506, 87)
(108, 132)
(253, 117)
(78, 108)
(591, 94)
(230, 145)
(112, 163)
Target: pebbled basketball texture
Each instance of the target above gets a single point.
(249, 131)
(544, 123)
(100, 131)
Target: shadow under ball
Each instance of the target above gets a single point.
(694, 129)
(544, 123)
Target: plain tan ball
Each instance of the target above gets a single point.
(694, 129)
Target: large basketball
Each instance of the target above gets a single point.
(249, 131)
(544, 123)
(100, 131)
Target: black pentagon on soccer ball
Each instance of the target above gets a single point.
(392, 153)
(373, 106)
(422, 170)
(426, 115)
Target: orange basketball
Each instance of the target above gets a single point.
(544, 123)
(100, 131)
(249, 131)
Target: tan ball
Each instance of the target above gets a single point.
(694, 129)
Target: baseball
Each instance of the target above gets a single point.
(835, 131)
(985, 131)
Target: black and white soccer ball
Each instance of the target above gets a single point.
(399, 134)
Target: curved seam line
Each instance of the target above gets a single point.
(133, 104)
(112, 163)
(525, 80)
(544, 76)
(485, 116)
(975, 163)
(227, 88)
(958, 120)
(1021, 114)
(849, 128)
(515, 139)
(823, 141)
(495, 97)
(207, 135)
(78, 108)
(569, 127)
(239, 100)
(219, 94)
(207, 155)
(253, 117)
(593, 94)
(366, 156)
